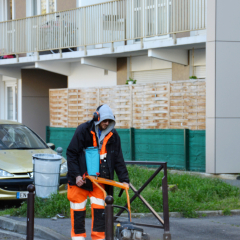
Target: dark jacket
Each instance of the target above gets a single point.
(83, 139)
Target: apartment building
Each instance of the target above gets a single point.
(90, 43)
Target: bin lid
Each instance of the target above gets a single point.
(47, 157)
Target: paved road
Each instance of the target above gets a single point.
(210, 228)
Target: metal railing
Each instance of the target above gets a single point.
(164, 223)
(109, 22)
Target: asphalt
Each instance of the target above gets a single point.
(208, 228)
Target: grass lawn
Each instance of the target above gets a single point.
(194, 193)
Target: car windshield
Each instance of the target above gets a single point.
(14, 136)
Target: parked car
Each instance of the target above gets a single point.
(17, 145)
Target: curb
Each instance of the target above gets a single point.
(39, 231)
(180, 215)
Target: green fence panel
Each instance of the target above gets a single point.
(163, 145)
(150, 145)
(61, 137)
(197, 147)
(125, 143)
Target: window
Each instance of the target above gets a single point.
(11, 101)
(52, 6)
(43, 7)
(48, 6)
(10, 9)
(6, 10)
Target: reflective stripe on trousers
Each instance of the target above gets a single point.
(78, 238)
(78, 200)
(78, 206)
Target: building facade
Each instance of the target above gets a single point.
(89, 43)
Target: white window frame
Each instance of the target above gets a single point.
(4, 10)
(12, 84)
(13, 9)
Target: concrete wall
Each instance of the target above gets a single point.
(65, 5)
(222, 94)
(180, 72)
(199, 56)
(87, 76)
(20, 8)
(35, 97)
(183, 34)
(121, 71)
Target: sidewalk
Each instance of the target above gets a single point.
(235, 183)
(8, 235)
(209, 228)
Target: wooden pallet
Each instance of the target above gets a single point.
(176, 105)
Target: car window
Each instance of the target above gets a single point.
(13, 136)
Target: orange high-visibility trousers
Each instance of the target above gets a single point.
(78, 200)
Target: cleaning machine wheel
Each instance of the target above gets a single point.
(129, 232)
(145, 236)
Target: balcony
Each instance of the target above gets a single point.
(116, 21)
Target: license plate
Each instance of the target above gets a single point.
(21, 195)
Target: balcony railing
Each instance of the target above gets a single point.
(115, 21)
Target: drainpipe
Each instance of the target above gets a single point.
(193, 63)
(2, 103)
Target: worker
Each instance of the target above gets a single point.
(98, 132)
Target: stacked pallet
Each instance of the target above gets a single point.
(58, 104)
(81, 105)
(151, 106)
(176, 105)
(188, 105)
(119, 100)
